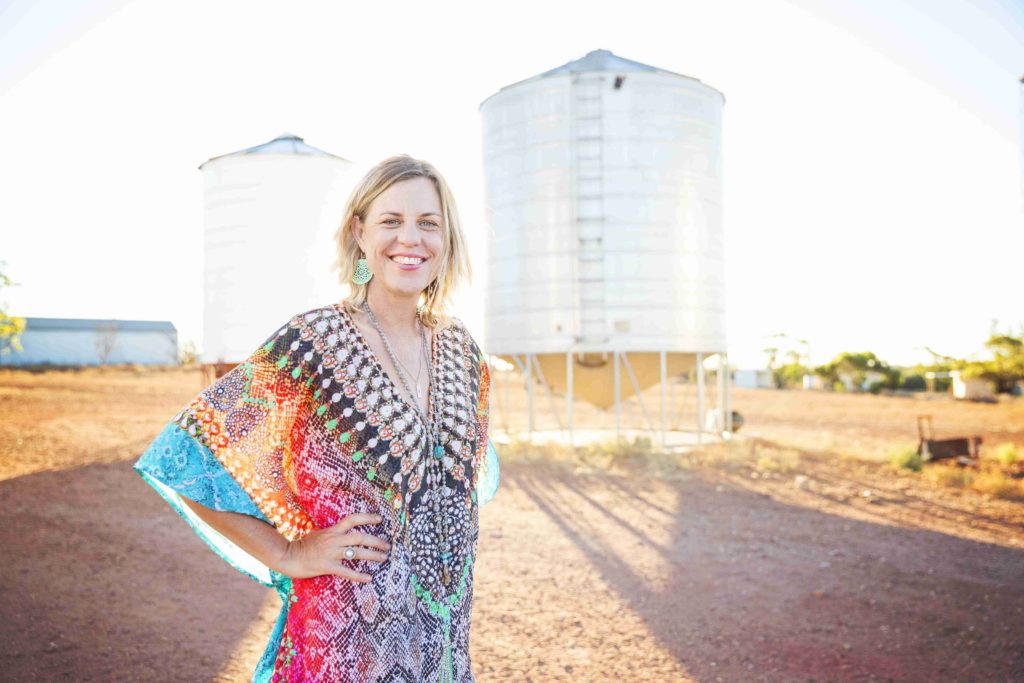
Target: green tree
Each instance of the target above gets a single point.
(11, 327)
(796, 354)
(856, 366)
(1006, 366)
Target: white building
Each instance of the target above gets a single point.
(969, 388)
(87, 341)
(753, 378)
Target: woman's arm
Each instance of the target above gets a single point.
(256, 537)
(319, 552)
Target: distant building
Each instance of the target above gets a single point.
(813, 382)
(753, 378)
(971, 388)
(86, 341)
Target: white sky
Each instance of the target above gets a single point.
(872, 173)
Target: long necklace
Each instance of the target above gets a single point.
(419, 373)
(408, 373)
(435, 476)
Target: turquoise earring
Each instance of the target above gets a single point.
(363, 272)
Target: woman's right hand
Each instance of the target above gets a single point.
(322, 551)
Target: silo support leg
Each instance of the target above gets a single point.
(664, 399)
(700, 398)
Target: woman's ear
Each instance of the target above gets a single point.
(356, 228)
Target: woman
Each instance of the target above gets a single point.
(344, 462)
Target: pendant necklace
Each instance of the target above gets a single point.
(434, 480)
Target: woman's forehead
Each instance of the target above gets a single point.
(414, 196)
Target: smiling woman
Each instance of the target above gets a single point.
(345, 461)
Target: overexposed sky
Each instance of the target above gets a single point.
(872, 167)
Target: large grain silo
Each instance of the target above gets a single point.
(270, 213)
(604, 198)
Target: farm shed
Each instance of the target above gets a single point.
(753, 378)
(88, 341)
(970, 387)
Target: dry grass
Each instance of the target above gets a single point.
(641, 456)
(992, 477)
(987, 479)
(606, 457)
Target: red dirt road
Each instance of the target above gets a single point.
(704, 574)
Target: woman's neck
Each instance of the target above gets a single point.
(398, 316)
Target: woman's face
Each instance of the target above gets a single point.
(404, 220)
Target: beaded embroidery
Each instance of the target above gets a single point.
(309, 429)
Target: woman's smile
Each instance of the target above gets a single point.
(408, 262)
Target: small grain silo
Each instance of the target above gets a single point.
(604, 198)
(270, 212)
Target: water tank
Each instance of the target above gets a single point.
(603, 181)
(270, 212)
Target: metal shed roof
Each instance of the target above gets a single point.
(95, 323)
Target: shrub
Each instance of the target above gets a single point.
(1006, 454)
(907, 458)
(877, 386)
(998, 485)
(914, 382)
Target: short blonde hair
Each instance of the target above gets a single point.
(455, 265)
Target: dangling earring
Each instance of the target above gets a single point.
(363, 272)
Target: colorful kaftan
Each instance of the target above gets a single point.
(309, 429)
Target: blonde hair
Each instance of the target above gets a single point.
(455, 266)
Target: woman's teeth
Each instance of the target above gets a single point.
(408, 260)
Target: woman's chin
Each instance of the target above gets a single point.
(407, 287)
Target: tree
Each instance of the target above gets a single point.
(106, 337)
(856, 367)
(11, 327)
(796, 354)
(1006, 366)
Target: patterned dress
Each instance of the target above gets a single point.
(309, 429)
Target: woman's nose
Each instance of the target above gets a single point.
(409, 234)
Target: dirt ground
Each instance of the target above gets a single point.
(835, 569)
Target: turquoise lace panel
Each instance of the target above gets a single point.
(177, 464)
(490, 476)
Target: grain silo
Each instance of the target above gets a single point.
(606, 267)
(270, 214)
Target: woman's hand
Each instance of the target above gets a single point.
(322, 551)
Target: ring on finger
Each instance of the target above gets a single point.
(350, 553)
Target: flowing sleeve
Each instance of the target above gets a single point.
(230, 448)
(487, 469)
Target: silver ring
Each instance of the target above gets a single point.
(350, 552)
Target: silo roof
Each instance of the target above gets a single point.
(285, 143)
(600, 60)
(604, 60)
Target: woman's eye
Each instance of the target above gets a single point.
(395, 220)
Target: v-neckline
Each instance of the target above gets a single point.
(387, 376)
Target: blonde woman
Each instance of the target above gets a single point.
(345, 461)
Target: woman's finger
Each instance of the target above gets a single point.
(360, 538)
(351, 574)
(365, 554)
(357, 518)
